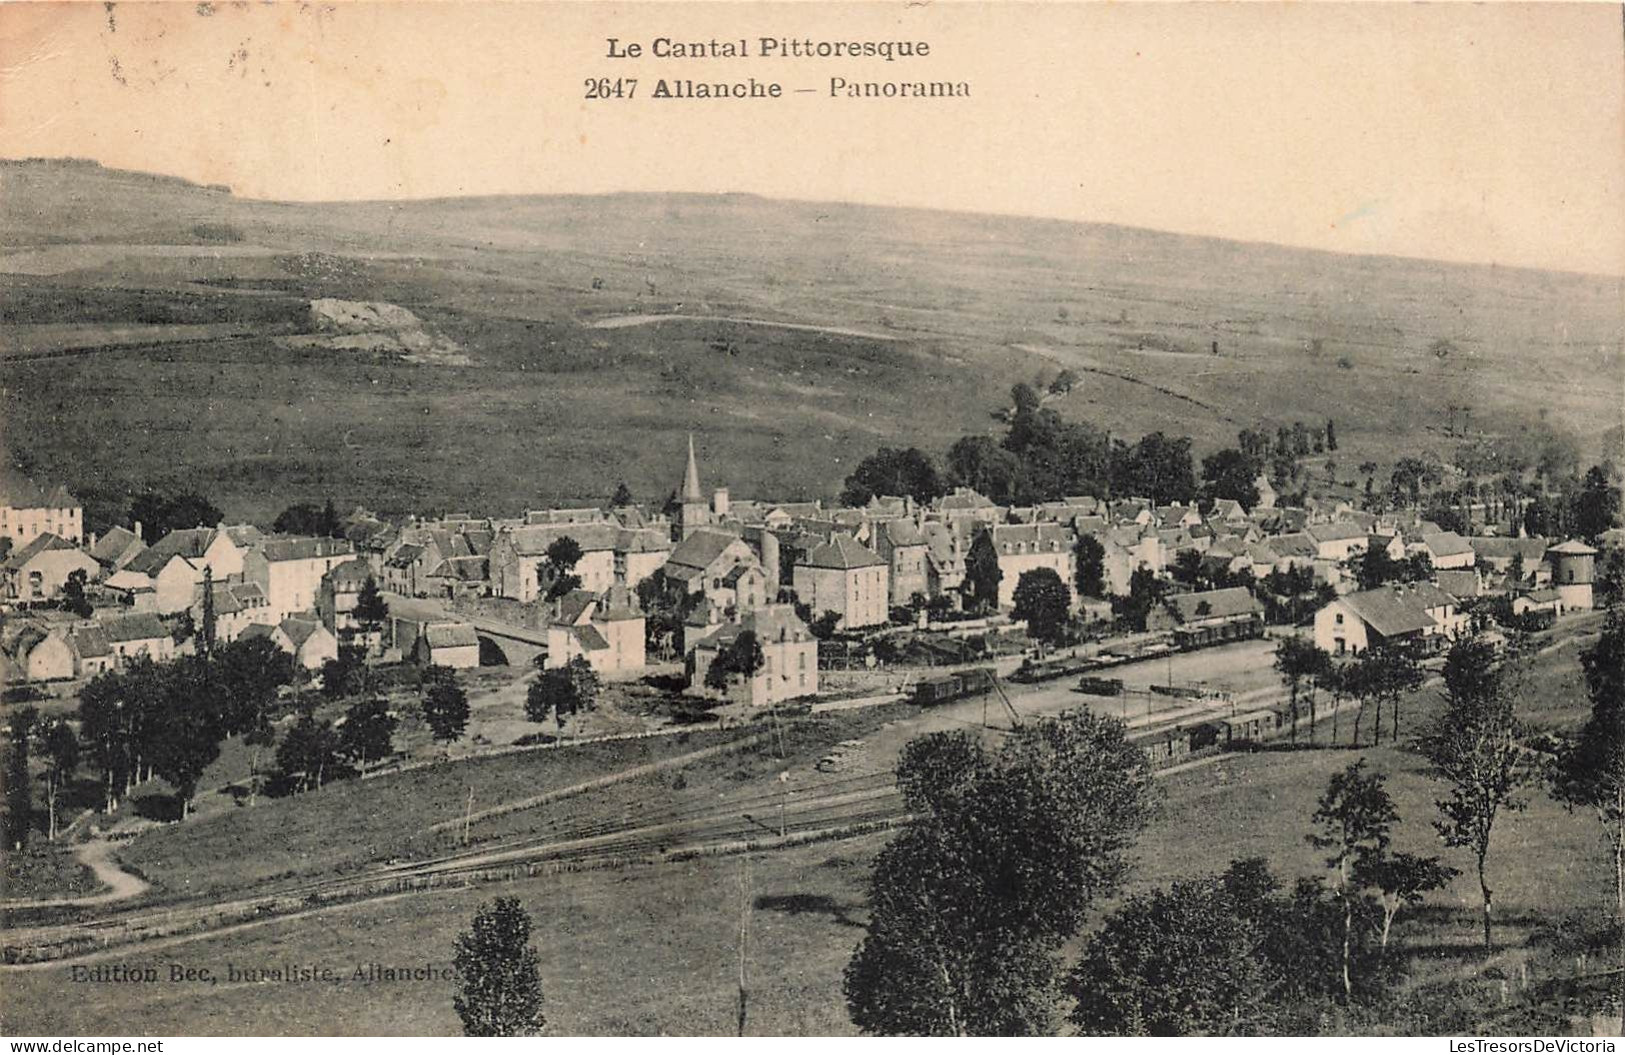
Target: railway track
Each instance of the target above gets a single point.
(675, 833)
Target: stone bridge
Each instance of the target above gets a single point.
(506, 644)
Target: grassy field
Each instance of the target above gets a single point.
(554, 409)
(45, 871)
(352, 823)
(653, 949)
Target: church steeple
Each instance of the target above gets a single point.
(691, 477)
(691, 509)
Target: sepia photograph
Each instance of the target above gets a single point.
(812, 519)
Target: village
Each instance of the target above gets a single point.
(834, 601)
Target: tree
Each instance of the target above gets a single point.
(1354, 817)
(893, 471)
(371, 610)
(251, 672)
(101, 724)
(1157, 467)
(621, 497)
(188, 733)
(1231, 474)
(1611, 576)
(1376, 568)
(309, 752)
(1044, 603)
(1006, 853)
(1064, 382)
(61, 750)
(1187, 568)
(562, 691)
(159, 514)
(368, 732)
(445, 706)
(1333, 679)
(307, 518)
(558, 567)
(740, 657)
(206, 638)
(331, 526)
(1384, 674)
(1091, 564)
(978, 462)
(1331, 435)
(19, 799)
(1144, 591)
(982, 577)
(1596, 504)
(499, 985)
(1516, 571)
(1590, 770)
(1402, 878)
(1475, 748)
(825, 625)
(1298, 661)
(347, 675)
(1175, 962)
(73, 595)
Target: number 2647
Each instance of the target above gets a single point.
(611, 88)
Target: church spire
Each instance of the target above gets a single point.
(691, 477)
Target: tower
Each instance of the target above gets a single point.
(691, 505)
(1573, 569)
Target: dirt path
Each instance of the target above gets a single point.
(1075, 362)
(620, 322)
(96, 856)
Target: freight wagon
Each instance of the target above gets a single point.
(959, 685)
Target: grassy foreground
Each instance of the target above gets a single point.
(652, 950)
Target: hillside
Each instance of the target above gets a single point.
(155, 331)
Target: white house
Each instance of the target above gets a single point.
(789, 658)
(844, 576)
(607, 630)
(1020, 548)
(38, 571)
(28, 511)
(1418, 615)
(290, 570)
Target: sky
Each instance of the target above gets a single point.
(1488, 133)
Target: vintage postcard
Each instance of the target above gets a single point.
(812, 519)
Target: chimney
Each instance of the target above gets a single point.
(90, 542)
(138, 531)
(770, 560)
(719, 502)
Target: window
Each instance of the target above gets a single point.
(1339, 618)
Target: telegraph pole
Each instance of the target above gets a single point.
(744, 936)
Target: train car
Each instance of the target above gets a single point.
(944, 688)
(1188, 639)
(931, 691)
(976, 681)
(1090, 685)
(1167, 746)
(1251, 726)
